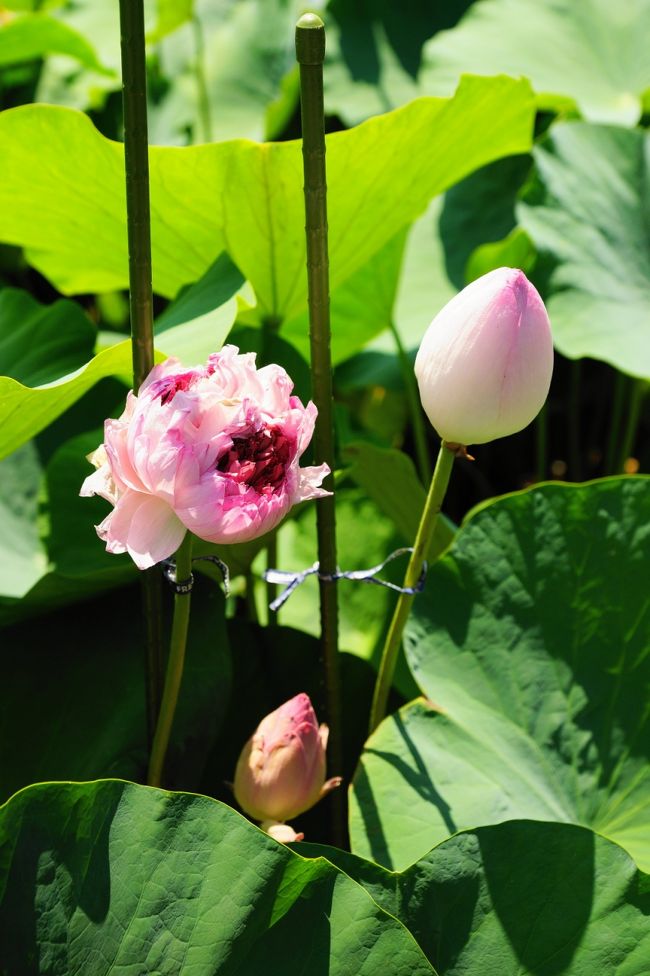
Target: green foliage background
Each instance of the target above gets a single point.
(499, 815)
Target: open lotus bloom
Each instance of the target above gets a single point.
(281, 770)
(485, 363)
(214, 449)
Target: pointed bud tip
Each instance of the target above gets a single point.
(309, 21)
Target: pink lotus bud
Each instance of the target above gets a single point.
(281, 770)
(485, 363)
(214, 449)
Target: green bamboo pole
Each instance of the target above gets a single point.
(136, 162)
(310, 54)
(426, 528)
(175, 664)
(541, 444)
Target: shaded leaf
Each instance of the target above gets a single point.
(374, 52)
(521, 897)
(84, 716)
(35, 35)
(40, 343)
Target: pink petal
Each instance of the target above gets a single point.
(144, 526)
(309, 485)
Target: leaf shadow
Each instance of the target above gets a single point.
(542, 893)
(418, 778)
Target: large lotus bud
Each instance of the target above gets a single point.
(281, 770)
(485, 363)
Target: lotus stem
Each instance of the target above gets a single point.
(426, 528)
(574, 452)
(310, 54)
(175, 663)
(136, 162)
(637, 393)
(203, 97)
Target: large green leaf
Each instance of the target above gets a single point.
(530, 645)
(589, 213)
(40, 343)
(519, 898)
(75, 694)
(34, 35)
(571, 52)
(109, 876)
(242, 197)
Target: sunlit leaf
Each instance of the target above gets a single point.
(119, 876)
(530, 645)
(571, 52)
(242, 197)
(589, 215)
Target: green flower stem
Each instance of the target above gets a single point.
(310, 53)
(620, 386)
(415, 409)
(175, 664)
(421, 547)
(201, 83)
(574, 452)
(637, 394)
(136, 161)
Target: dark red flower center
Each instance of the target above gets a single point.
(259, 459)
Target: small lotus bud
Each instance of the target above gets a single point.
(484, 365)
(281, 770)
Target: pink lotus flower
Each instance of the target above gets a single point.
(214, 449)
(281, 770)
(485, 363)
